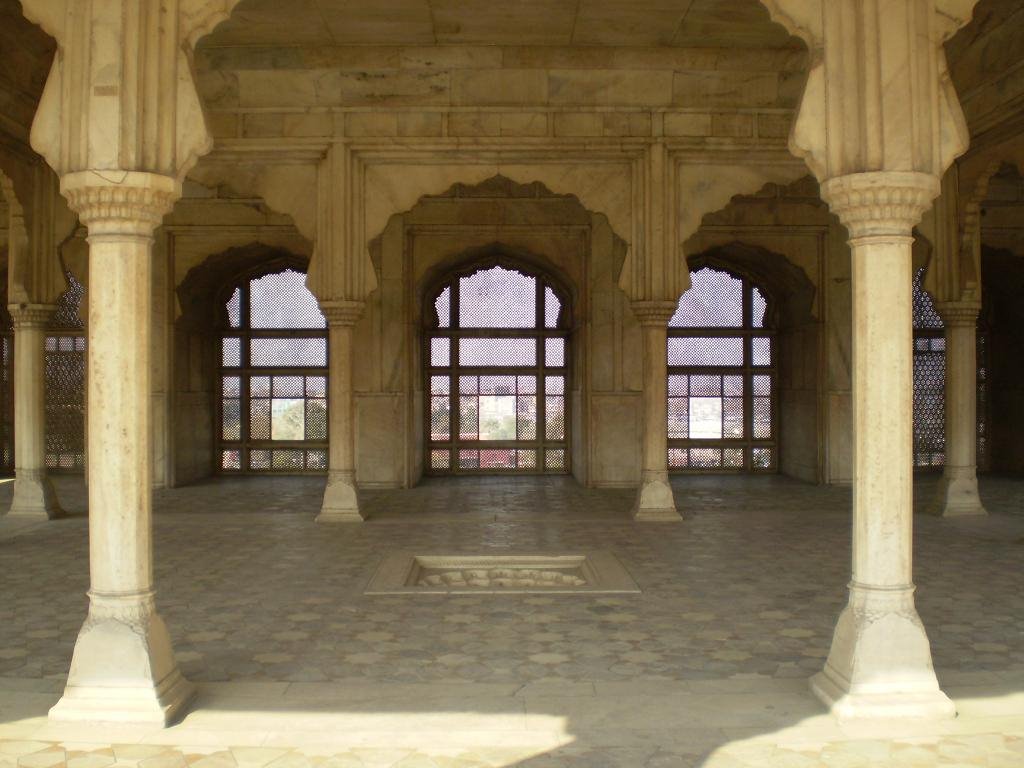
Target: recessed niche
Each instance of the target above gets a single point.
(405, 573)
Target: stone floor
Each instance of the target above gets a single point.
(707, 666)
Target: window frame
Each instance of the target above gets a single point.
(453, 371)
(245, 445)
(748, 443)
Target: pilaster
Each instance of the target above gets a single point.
(34, 496)
(655, 501)
(341, 498)
(958, 490)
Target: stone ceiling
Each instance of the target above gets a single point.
(24, 65)
(681, 23)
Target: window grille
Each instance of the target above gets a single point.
(497, 368)
(930, 382)
(273, 378)
(65, 366)
(722, 379)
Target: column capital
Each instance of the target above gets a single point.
(880, 203)
(343, 313)
(129, 203)
(958, 313)
(654, 313)
(31, 315)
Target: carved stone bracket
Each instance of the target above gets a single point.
(958, 313)
(653, 313)
(343, 313)
(31, 315)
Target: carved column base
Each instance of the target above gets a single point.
(958, 493)
(34, 497)
(655, 501)
(123, 669)
(880, 664)
(341, 501)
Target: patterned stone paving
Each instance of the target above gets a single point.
(750, 584)
(748, 587)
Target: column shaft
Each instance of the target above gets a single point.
(33, 492)
(958, 492)
(120, 541)
(655, 501)
(883, 412)
(341, 500)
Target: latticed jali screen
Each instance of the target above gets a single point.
(65, 383)
(7, 398)
(930, 382)
(497, 375)
(273, 405)
(721, 378)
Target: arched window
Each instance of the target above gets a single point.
(65, 382)
(721, 377)
(273, 404)
(497, 374)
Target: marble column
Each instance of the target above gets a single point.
(880, 662)
(123, 668)
(341, 499)
(654, 501)
(34, 496)
(958, 492)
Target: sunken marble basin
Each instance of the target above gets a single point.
(407, 573)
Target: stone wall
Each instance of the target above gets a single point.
(456, 91)
(524, 223)
(209, 238)
(1002, 318)
(985, 64)
(785, 239)
(783, 235)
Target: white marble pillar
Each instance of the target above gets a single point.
(341, 499)
(958, 491)
(123, 667)
(654, 501)
(880, 662)
(34, 496)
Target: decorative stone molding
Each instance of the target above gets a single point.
(132, 608)
(122, 202)
(653, 313)
(32, 475)
(880, 203)
(878, 631)
(342, 313)
(341, 476)
(958, 313)
(31, 315)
